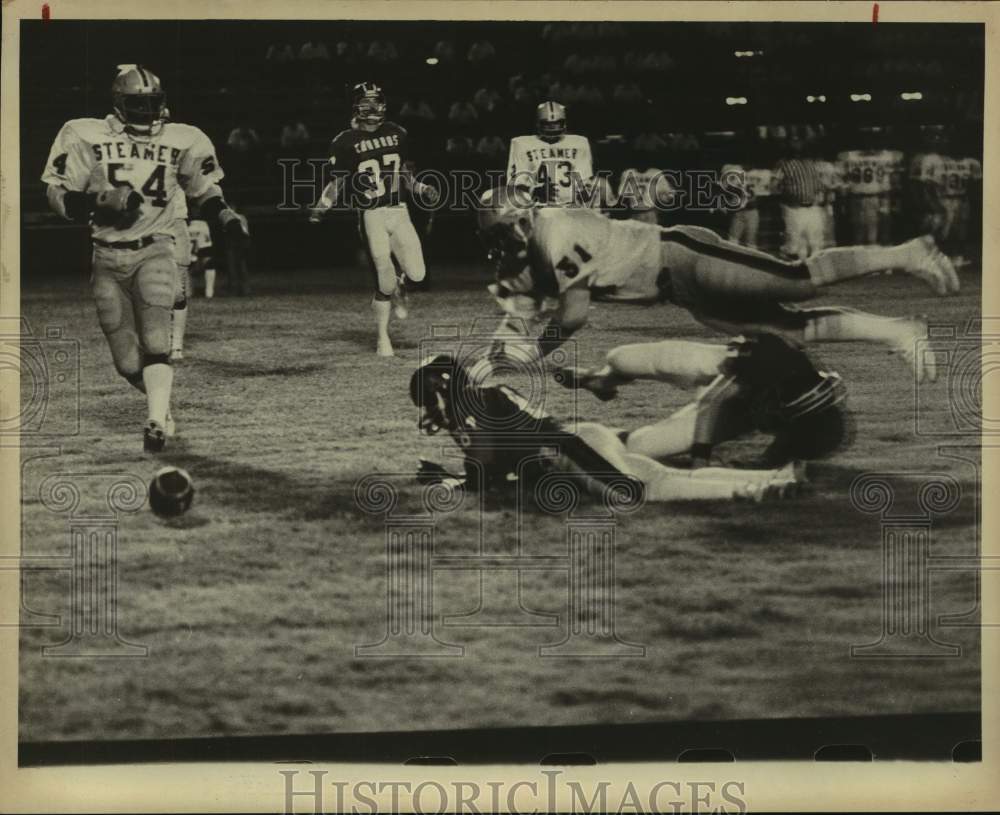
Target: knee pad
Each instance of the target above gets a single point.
(381, 296)
(156, 282)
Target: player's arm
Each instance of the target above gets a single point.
(519, 173)
(67, 179)
(199, 174)
(583, 184)
(331, 194)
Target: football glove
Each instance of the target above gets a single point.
(119, 207)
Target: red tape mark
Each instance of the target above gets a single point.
(875, 13)
(45, 12)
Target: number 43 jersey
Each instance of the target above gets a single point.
(93, 155)
(574, 246)
(369, 162)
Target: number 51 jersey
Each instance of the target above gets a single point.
(369, 161)
(93, 155)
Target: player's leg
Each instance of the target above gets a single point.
(815, 232)
(409, 255)
(752, 226)
(663, 483)
(208, 265)
(902, 335)
(375, 237)
(182, 250)
(117, 320)
(737, 227)
(152, 298)
(678, 362)
(704, 267)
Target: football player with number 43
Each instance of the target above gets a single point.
(129, 176)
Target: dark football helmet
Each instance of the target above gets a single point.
(438, 387)
(505, 220)
(138, 100)
(369, 105)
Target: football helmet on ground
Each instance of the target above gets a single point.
(171, 492)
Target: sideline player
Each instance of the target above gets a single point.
(575, 254)
(508, 443)
(201, 254)
(556, 166)
(367, 161)
(643, 193)
(128, 175)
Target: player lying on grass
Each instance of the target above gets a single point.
(576, 255)
(129, 177)
(760, 384)
(507, 444)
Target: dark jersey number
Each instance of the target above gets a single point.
(155, 187)
(59, 162)
(568, 267)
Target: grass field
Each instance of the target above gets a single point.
(253, 603)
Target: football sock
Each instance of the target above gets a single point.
(829, 266)
(383, 310)
(210, 282)
(179, 315)
(846, 325)
(158, 378)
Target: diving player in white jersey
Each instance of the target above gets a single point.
(128, 175)
(572, 255)
(556, 166)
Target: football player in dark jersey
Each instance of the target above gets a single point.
(368, 175)
(507, 443)
(763, 384)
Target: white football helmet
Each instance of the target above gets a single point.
(551, 121)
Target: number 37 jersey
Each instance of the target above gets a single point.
(369, 162)
(93, 155)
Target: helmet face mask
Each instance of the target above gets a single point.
(434, 388)
(369, 106)
(138, 100)
(551, 121)
(505, 225)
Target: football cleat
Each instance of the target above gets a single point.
(788, 482)
(907, 343)
(171, 492)
(589, 380)
(934, 267)
(153, 437)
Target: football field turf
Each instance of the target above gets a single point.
(252, 604)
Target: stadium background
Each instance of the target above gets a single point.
(644, 94)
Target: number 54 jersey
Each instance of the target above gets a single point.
(93, 155)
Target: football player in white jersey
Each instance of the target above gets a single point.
(556, 166)
(201, 254)
(574, 254)
(643, 193)
(128, 176)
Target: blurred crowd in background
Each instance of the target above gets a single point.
(671, 96)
